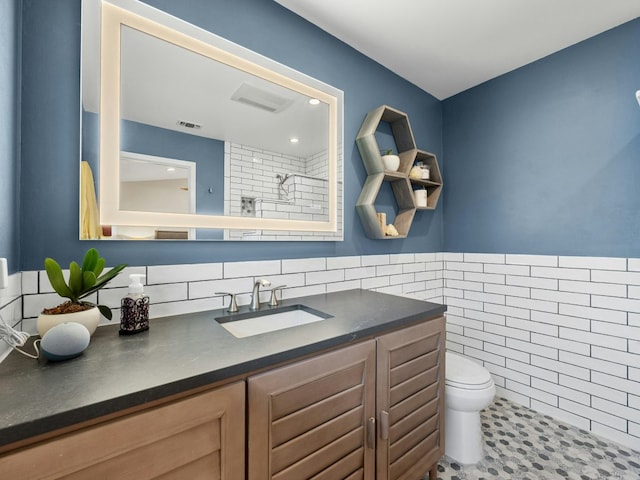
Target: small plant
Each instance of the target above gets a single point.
(83, 281)
(387, 152)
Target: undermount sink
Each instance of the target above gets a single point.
(269, 320)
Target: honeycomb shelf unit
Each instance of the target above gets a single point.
(401, 184)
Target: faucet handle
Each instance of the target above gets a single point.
(274, 299)
(233, 305)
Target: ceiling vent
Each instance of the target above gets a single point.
(186, 124)
(256, 97)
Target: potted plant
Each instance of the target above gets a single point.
(84, 280)
(390, 161)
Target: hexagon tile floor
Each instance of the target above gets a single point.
(523, 444)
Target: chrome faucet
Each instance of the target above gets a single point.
(233, 305)
(255, 296)
(273, 302)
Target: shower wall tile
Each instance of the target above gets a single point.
(282, 186)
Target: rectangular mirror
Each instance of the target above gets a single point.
(190, 136)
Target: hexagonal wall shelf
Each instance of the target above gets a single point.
(402, 134)
(404, 199)
(401, 183)
(433, 185)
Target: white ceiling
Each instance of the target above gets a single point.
(196, 89)
(448, 46)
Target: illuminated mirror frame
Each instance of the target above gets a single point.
(166, 27)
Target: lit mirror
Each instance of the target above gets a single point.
(188, 136)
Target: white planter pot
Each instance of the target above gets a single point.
(89, 318)
(391, 162)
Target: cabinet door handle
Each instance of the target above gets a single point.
(384, 425)
(371, 433)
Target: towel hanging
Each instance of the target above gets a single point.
(89, 215)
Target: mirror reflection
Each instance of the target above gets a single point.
(207, 144)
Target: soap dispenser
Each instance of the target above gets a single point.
(134, 308)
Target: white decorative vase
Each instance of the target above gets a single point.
(88, 318)
(391, 162)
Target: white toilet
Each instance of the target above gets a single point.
(468, 389)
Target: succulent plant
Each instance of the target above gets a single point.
(84, 280)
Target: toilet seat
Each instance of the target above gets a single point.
(469, 386)
(463, 373)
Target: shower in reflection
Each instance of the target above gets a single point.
(283, 192)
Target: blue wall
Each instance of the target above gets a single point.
(9, 115)
(51, 122)
(207, 154)
(543, 160)
(546, 159)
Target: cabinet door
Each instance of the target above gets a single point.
(200, 437)
(410, 395)
(314, 418)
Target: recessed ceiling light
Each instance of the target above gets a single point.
(294, 140)
(314, 101)
(171, 169)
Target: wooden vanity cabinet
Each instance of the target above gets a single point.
(198, 437)
(371, 410)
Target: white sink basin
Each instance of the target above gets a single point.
(263, 321)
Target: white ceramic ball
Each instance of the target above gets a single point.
(64, 341)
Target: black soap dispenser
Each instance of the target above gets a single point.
(134, 308)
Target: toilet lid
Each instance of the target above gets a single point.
(461, 371)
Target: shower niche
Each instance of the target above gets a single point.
(247, 206)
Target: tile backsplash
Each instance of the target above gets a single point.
(559, 334)
(176, 289)
(10, 308)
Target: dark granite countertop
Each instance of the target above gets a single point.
(177, 354)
